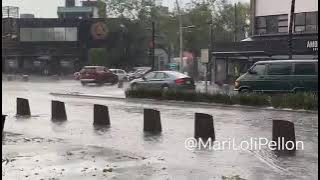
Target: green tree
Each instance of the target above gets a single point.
(137, 16)
(222, 16)
(102, 8)
(224, 19)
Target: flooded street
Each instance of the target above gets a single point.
(37, 148)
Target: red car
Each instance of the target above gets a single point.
(98, 75)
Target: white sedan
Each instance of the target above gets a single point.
(122, 74)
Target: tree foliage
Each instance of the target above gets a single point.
(132, 46)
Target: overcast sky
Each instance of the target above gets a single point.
(48, 8)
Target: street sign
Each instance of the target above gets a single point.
(204, 56)
(173, 66)
(99, 31)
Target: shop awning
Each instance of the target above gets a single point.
(240, 53)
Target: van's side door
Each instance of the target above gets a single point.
(279, 77)
(306, 77)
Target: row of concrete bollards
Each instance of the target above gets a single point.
(13, 77)
(203, 127)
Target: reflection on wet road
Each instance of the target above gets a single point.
(132, 154)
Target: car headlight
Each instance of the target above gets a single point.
(236, 84)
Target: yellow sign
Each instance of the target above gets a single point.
(99, 30)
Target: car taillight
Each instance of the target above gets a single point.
(179, 81)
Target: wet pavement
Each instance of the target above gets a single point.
(37, 148)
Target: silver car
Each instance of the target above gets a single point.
(122, 74)
(164, 80)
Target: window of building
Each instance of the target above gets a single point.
(49, 34)
(312, 22)
(300, 22)
(25, 34)
(305, 69)
(306, 22)
(279, 69)
(283, 23)
(261, 25)
(272, 24)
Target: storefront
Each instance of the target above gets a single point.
(230, 60)
(51, 46)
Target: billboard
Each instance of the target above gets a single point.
(204, 55)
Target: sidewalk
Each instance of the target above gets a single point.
(18, 77)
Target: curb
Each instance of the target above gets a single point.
(181, 103)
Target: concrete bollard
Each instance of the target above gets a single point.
(3, 121)
(282, 133)
(152, 121)
(58, 111)
(25, 78)
(204, 127)
(120, 84)
(101, 115)
(23, 108)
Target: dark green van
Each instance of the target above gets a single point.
(280, 76)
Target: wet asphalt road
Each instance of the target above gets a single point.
(36, 148)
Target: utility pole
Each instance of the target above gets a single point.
(153, 45)
(181, 35)
(235, 22)
(211, 64)
(290, 29)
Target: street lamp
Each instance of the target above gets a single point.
(152, 44)
(290, 29)
(181, 33)
(181, 28)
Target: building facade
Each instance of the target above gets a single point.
(55, 45)
(272, 16)
(269, 41)
(88, 9)
(39, 45)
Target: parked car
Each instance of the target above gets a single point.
(280, 76)
(98, 75)
(138, 73)
(164, 80)
(122, 74)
